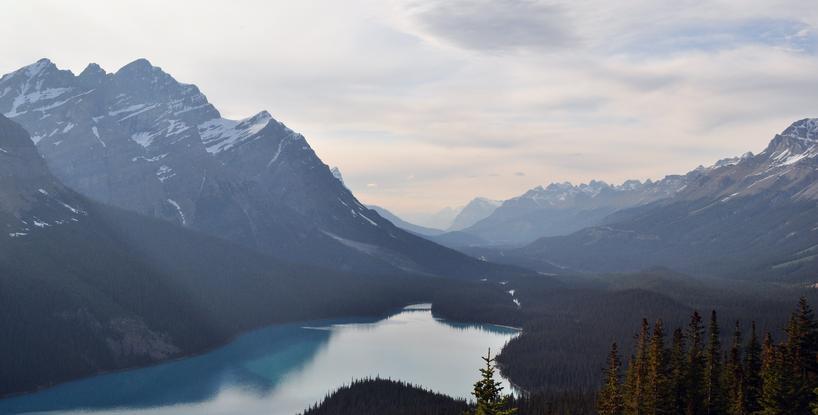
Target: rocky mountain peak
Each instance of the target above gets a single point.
(797, 142)
(806, 129)
(92, 75)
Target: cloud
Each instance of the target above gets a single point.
(497, 25)
(725, 33)
(519, 174)
(462, 95)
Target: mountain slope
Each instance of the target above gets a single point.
(752, 217)
(86, 288)
(397, 221)
(140, 140)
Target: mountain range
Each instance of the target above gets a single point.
(754, 216)
(139, 140)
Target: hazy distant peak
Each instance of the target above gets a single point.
(476, 210)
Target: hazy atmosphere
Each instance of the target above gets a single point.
(427, 105)
(392, 207)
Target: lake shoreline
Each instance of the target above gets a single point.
(192, 354)
(281, 362)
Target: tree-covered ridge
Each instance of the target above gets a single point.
(695, 375)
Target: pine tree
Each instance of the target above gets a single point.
(637, 379)
(713, 402)
(694, 384)
(610, 400)
(752, 372)
(657, 394)
(771, 401)
(488, 392)
(801, 353)
(678, 373)
(629, 388)
(733, 379)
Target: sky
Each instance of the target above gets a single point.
(427, 104)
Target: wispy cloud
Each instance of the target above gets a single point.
(442, 100)
(496, 25)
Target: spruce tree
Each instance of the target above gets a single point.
(637, 375)
(657, 394)
(801, 356)
(695, 380)
(713, 402)
(629, 392)
(752, 372)
(678, 373)
(772, 401)
(734, 382)
(610, 400)
(488, 392)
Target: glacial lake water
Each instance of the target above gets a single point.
(284, 369)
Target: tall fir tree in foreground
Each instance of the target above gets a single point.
(489, 393)
(772, 400)
(635, 392)
(678, 372)
(801, 355)
(713, 403)
(733, 379)
(752, 372)
(610, 400)
(694, 377)
(657, 391)
(694, 382)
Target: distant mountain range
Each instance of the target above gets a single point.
(754, 216)
(140, 140)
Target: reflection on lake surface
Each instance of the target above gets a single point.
(284, 369)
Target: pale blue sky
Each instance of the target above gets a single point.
(424, 104)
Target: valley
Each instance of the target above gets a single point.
(158, 257)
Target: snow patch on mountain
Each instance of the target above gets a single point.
(221, 134)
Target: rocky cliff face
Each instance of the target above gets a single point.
(140, 140)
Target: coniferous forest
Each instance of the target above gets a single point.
(689, 370)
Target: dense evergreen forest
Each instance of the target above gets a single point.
(689, 371)
(693, 373)
(569, 323)
(389, 397)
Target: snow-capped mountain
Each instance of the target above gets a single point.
(562, 208)
(755, 216)
(125, 290)
(140, 140)
(476, 210)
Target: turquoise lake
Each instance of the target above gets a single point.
(284, 369)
